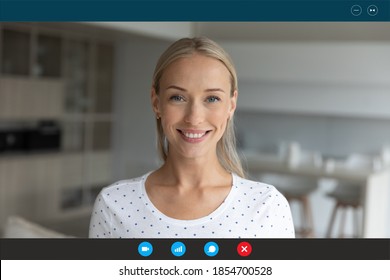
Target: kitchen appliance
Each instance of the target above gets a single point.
(46, 135)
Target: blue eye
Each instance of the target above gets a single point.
(213, 99)
(176, 98)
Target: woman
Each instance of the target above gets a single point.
(200, 190)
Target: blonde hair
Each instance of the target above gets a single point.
(226, 146)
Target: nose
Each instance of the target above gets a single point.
(194, 113)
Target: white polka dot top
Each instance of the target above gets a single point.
(251, 210)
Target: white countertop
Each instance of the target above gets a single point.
(272, 163)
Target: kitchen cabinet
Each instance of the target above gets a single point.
(64, 75)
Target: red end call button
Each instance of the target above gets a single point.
(244, 249)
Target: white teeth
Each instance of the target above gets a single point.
(194, 135)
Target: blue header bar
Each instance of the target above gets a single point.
(194, 10)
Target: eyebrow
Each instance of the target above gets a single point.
(176, 87)
(214, 89)
(207, 90)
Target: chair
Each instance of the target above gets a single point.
(348, 196)
(296, 189)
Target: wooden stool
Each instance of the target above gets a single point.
(345, 200)
(306, 228)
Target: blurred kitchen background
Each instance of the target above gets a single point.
(313, 118)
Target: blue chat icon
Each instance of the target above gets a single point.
(211, 249)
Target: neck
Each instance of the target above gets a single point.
(189, 173)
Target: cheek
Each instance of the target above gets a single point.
(221, 115)
(219, 119)
(171, 115)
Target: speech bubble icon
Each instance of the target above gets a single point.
(212, 249)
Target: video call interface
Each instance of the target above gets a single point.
(308, 180)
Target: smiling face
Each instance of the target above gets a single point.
(194, 103)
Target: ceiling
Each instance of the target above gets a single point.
(294, 31)
(254, 31)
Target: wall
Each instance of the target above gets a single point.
(326, 62)
(162, 30)
(331, 78)
(317, 98)
(331, 135)
(134, 135)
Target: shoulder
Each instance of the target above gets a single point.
(270, 207)
(252, 186)
(123, 188)
(258, 190)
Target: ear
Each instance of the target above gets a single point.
(233, 104)
(155, 102)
